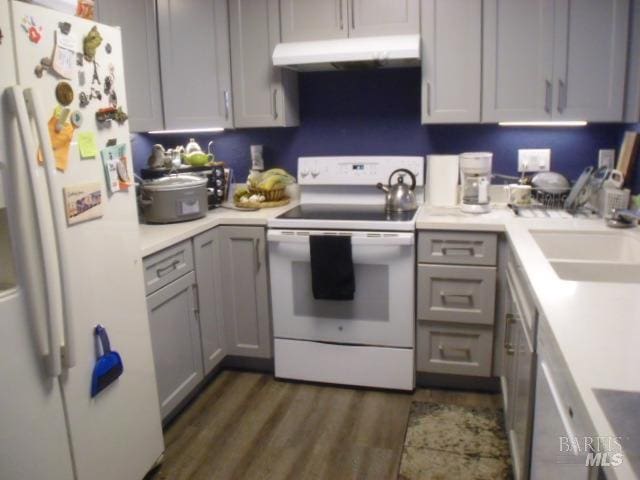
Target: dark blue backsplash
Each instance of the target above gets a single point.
(378, 113)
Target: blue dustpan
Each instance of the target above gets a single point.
(108, 365)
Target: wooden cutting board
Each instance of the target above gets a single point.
(628, 153)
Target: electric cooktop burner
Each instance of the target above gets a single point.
(368, 213)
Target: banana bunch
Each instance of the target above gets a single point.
(273, 179)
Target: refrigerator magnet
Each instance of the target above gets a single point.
(91, 43)
(64, 93)
(33, 31)
(83, 202)
(110, 163)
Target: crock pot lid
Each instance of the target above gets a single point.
(175, 182)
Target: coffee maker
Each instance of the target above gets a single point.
(475, 175)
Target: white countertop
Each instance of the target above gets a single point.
(452, 218)
(596, 325)
(154, 238)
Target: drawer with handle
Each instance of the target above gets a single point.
(456, 294)
(458, 248)
(454, 349)
(164, 267)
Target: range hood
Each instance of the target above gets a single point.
(349, 53)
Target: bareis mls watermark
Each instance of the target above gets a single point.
(592, 451)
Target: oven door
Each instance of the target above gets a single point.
(382, 311)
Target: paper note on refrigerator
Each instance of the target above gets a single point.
(87, 145)
(110, 164)
(64, 55)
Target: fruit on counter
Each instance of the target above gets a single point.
(241, 191)
(272, 179)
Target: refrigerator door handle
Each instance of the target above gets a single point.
(49, 267)
(42, 129)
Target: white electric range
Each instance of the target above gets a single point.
(367, 341)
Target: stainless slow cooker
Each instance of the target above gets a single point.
(174, 198)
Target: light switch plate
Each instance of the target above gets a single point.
(534, 160)
(606, 158)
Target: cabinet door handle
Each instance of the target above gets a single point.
(465, 350)
(460, 250)
(428, 98)
(275, 103)
(257, 247)
(353, 14)
(226, 105)
(562, 95)
(162, 271)
(341, 15)
(468, 297)
(509, 320)
(547, 95)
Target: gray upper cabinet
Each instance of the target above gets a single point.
(554, 59)
(313, 19)
(195, 63)
(263, 96)
(207, 259)
(451, 60)
(517, 60)
(137, 21)
(175, 337)
(304, 20)
(245, 291)
(369, 18)
(632, 94)
(590, 54)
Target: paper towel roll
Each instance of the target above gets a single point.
(442, 180)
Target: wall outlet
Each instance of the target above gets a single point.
(606, 158)
(534, 160)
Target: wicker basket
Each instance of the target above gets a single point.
(272, 195)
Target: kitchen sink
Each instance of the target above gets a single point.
(591, 256)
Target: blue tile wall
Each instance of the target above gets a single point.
(378, 113)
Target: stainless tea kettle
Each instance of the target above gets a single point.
(399, 196)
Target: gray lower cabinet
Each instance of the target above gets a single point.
(455, 295)
(137, 21)
(454, 349)
(451, 60)
(206, 248)
(518, 377)
(460, 294)
(195, 63)
(245, 291)
(175, 337)
(263, 96)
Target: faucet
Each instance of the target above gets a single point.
(623, 218)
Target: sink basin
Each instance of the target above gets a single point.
(597, 272)
(591, 256)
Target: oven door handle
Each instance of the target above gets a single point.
(364, 238)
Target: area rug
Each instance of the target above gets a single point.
(446, 441)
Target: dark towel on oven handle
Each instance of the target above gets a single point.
(332, 276)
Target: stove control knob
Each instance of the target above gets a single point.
(304, 173)
(315, 173)
(219, 193)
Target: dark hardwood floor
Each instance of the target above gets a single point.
(250, 426)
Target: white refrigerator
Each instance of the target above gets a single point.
(60, 277)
